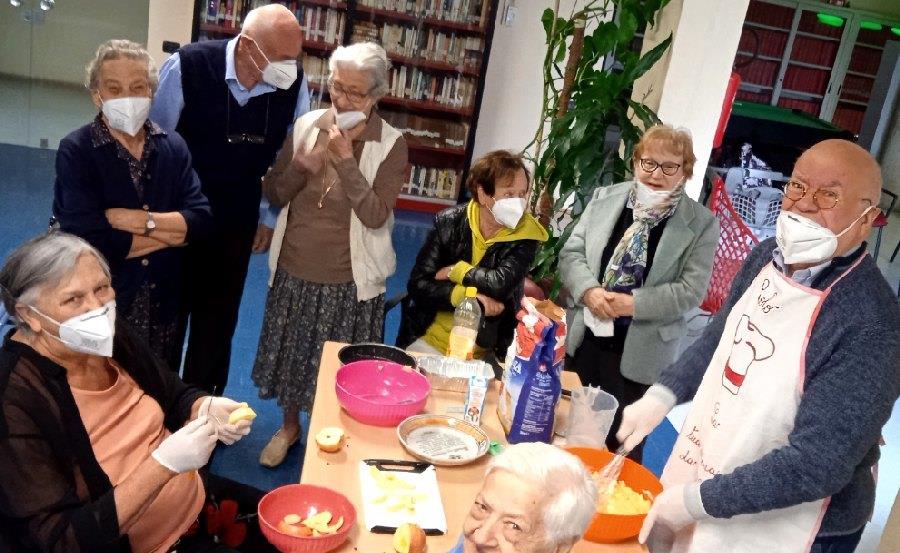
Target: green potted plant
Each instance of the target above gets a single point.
(584, 101)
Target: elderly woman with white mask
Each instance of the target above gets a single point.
(337, 177)
(638, 260)
(536, 498)
(100, 443)
(127, 187)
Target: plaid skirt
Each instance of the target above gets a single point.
(300, 317)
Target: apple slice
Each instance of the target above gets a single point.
(242, 413)
(330, 439)
(409, 538)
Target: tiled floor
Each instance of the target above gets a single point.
(26, 180)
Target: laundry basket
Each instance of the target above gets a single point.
(735, 242)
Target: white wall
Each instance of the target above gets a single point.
(511, 104)
(58, 48)
(168, 20)
(703, 51)
(890, 157)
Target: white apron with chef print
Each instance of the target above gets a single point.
(745, 408)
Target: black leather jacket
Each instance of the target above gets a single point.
(500, 275)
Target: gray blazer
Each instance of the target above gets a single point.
(677, 281)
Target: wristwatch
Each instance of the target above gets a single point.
(150, 225)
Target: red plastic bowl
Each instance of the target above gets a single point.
(380, 392)
(304, 500)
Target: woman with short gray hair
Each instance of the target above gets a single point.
(129, 188)
(101, 445)
(337, 177)
(536, 498)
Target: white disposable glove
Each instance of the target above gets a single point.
(219, 409)
(674, 509)
(189, 448)
(645, 414)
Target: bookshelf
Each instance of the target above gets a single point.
(789, 57)
(439, 52)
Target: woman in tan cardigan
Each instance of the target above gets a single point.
(331, 253)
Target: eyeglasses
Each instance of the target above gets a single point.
(668, 168)
(354, 97)
(244, 137)
(823, 198)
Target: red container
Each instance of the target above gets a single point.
(381, 393)
(615, 528)
(304, 500)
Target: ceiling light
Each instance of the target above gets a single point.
(47, 4)
(830, 20)
(15, 3)
(870, 25)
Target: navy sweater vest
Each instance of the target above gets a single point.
(230, 173)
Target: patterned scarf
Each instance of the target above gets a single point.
(626, 267)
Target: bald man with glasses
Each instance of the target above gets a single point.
(791, 382)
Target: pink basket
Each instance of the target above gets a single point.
(380, 393)
(304, 500)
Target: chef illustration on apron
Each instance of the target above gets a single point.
(745, 408)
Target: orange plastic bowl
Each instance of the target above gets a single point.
(616, 528)
(304, 500)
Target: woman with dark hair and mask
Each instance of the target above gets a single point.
(489, 244)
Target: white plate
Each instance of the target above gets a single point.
(442, 439)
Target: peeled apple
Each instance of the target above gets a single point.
(242, 413)
(409, 538)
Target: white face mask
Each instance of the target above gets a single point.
(90, 332)
(649, 197)
(508, 211)
(126, 114)
(802, 240)
(280, 74)
(349, 119)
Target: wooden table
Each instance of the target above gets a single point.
(458, 485)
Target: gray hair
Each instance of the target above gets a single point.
(364, 56)
(41, 263)
(118, 48)
(569, 491)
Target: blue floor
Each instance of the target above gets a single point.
(26, 188)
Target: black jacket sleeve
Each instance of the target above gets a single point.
(423, 288)
(502, 280)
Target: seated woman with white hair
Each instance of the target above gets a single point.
(100, 443)
(536, 498)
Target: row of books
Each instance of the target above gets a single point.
(430, 44)
(813, 50)
(431, 182)
(769, 43)
(759, 72)
(413, 83)
(773, 15)
(849, 117)
(428, 131)
(809, 23)
(460, 11)
(322, 24)
(229, 13)
(865, 60)
(803, 79)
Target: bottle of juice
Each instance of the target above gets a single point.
(466, 321)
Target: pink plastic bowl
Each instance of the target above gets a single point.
(379, 392)
(304, 500)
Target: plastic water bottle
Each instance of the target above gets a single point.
(466, 321)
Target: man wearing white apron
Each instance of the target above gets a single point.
(791, 382)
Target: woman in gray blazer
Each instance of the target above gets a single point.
(639, 258)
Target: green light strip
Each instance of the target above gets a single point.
(830, 20)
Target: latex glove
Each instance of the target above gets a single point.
(669, 510)
(219, 409)
(189, 448)
(641, 417)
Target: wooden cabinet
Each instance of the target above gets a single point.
(813, 57)
(439, 51)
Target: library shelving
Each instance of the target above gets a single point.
(438, 50)
(814, 57)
